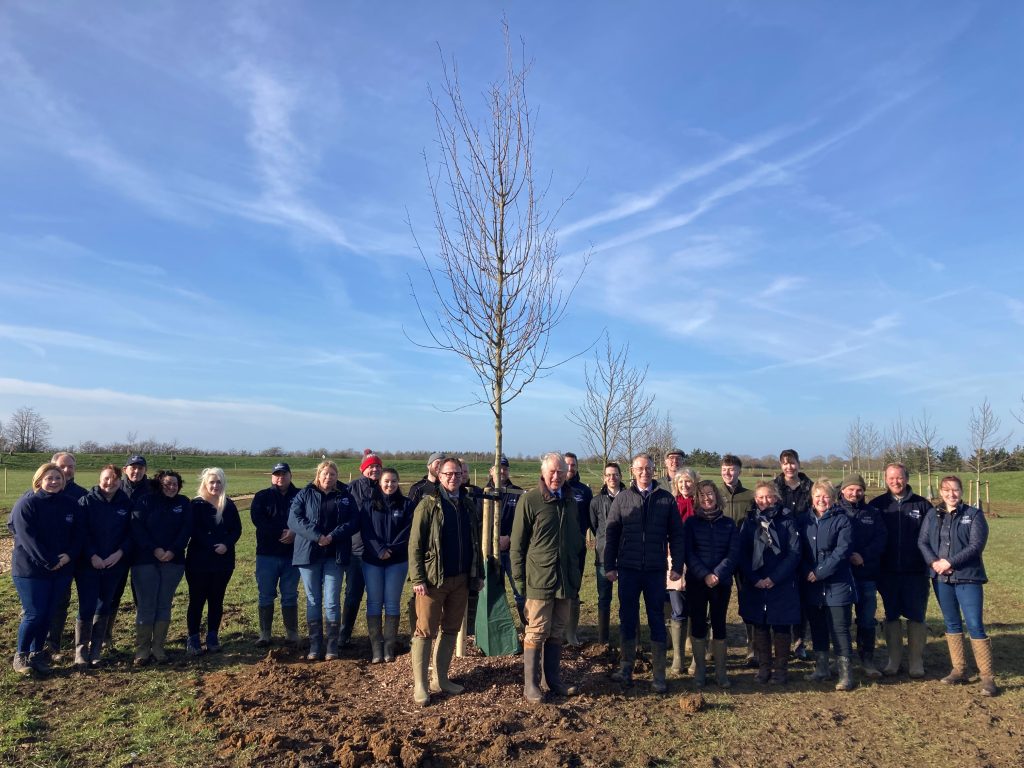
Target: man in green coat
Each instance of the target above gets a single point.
(546, 551)
(444, 562)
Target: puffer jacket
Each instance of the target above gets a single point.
(903, 520)
(599, 509)
(426, 560)
(965, 537)
(45, 527)
(314, 514)
(869, 539)
(207, 533)
(826, 545)
(778, 559)
(547, 545)
(160, 521)
(712, 546)
(641, 533)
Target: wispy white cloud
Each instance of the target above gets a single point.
(782, 285)
(53, 119)
(39, 340)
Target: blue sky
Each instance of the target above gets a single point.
(796, 213)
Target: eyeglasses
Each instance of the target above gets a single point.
(643, 470)
(448, 474)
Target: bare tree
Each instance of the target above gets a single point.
(612, 386)
(637, 423)
(897, 440)
(661, 437)
(27, 431)
(925, 434)
(872, 443)
(495, 279)
(984, 427)
(855, 442)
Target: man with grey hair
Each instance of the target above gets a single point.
(546, 551)
(644, 528)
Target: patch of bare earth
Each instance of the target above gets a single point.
(285, 712)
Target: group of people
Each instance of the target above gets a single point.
(798, 552)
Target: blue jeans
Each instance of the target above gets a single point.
(384, 588)
(604, 588)
(322, 582)
(954, 598)
(96, 587)
(272, 571)
(354, 584)
(506, 566)
(38, 599)
(904, 594)
(650, 584)
(154, 586)
(677, 599)
(866, 605)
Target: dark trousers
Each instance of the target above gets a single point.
(206, 588)
(354, 585)
(96, 587)
(650, 584)
(831, 622)
(700, 597)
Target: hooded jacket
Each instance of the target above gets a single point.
(712, 546)
(826, 545)
(426, 555)
(314, 514)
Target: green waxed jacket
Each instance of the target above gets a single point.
(425, 563)
(547, 547)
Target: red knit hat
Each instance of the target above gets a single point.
(369, 459)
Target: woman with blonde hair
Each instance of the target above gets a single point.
(216, 528)
(684, 484)
(323, 516)
(43, 522)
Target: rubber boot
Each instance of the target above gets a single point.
(721, 652)
(983, 658)
(333, 633)
(917, 636)
(83, 635)
(40, 662)
(571, 630)
(752, 661)
(349, 614)
(677, 631)
(820, 672)
(658, 667)
(99, 630)
(603, 622)
(845, 672)
(159, 640)
(373, 629)
(420, 662)
(266, 614)
(700, 662)
(443, 652)
(193, 646)
(551, 669)
(58, 620)
(894, 642)
(627, 660)
(780, 671)
(316, 641)
(866, 645)
(143, 644)
(390, 637)
(957, 659)
(531, 672)
(290, 617)
(692, 669)
(21, 664)
(763, 652)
